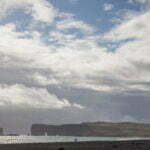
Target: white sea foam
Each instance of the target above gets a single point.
(51, 139)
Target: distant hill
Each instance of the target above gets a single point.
(93, 129)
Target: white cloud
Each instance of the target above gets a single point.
(108, 7)
(74, 24)
(68, 64)
(138, 29)
(43, 80)
(135, 27)
(40, 10)
(79, 62)
(60, 37)
(135, 51)
(24, 97)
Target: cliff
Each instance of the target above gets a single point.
(1, 131)
(93, 129)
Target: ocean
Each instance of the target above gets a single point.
(52, 139)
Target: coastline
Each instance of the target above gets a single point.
(98, 145)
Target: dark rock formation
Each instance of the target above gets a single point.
(93, 129)
(67, 130)
(1, 131)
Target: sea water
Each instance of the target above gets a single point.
(52, 139)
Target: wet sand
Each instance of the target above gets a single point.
(116, 145)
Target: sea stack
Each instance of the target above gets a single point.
(1, 131)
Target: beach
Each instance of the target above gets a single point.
(102, 145)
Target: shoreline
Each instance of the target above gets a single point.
(98, 145)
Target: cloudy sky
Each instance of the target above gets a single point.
(72, 61)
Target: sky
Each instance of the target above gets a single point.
(73, 61)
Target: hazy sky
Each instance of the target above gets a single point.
(71, 61)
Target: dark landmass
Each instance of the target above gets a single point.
(12, 134)
(1, 131)
(93, 129)
(121, 145)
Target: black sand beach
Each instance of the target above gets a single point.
(103, 145)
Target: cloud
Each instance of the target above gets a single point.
(74, 24)
(92, 65)
(40, 10)
(108, 7)
(135, 27)
(60, 37)
(24, 97)
(43, 80)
